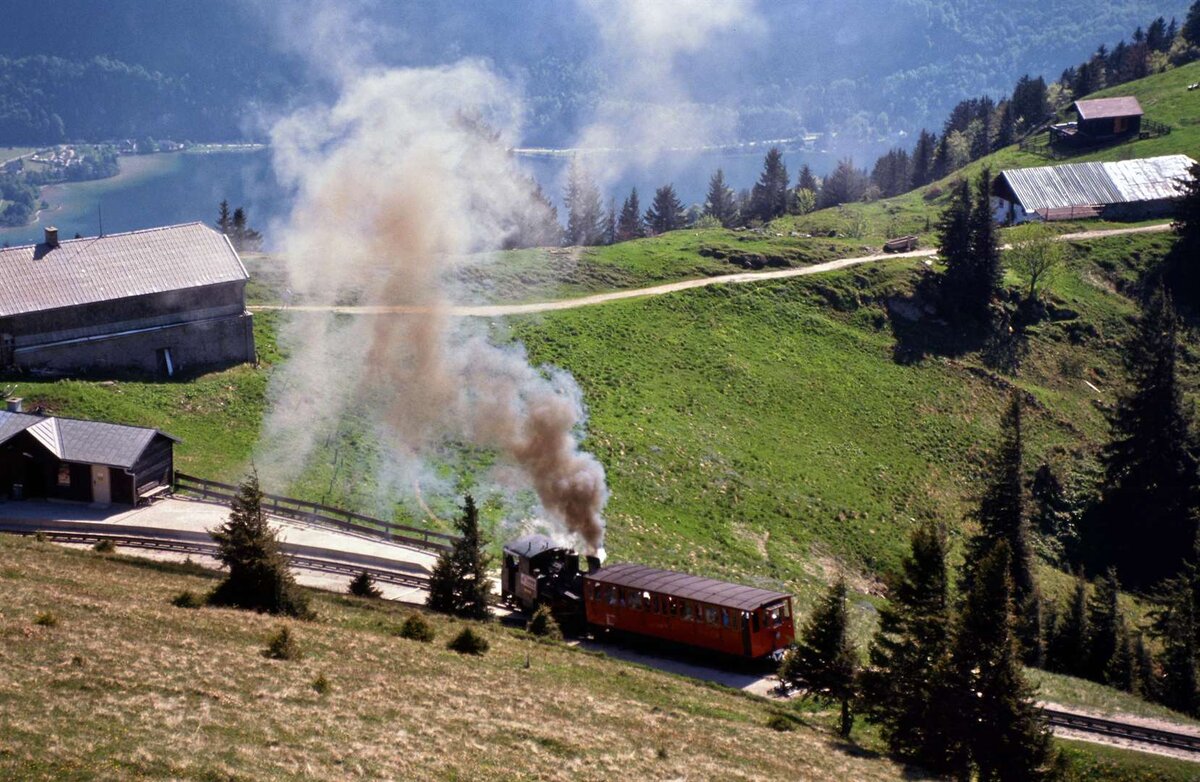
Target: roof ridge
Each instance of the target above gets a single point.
(151, 229)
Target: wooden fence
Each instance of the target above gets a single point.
(320, 514)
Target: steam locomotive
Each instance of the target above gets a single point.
(703, 614)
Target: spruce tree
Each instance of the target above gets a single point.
(720, 203)
(1175, 627)
(258, 578)
(459, 583)
(923, 159)
(585, 210)
(629, 224)
(363, 585)
(665, 212)
(1108, 661)
(844, 185)
(1191, 25)
(1003, 516)
(807, 180)
(1181, 273)
(224, 218)
(769, 197)
(824, 660)
(1002, 733)
(899, 689)
(954, 246)
(1145, 519)
(985, 250)
(1069, 645)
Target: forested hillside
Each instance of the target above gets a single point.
(214, 71)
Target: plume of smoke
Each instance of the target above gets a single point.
(408, 171)
(648, 107)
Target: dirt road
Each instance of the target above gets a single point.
(502, 310)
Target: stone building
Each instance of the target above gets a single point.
(162, 300)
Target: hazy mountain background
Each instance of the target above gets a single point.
(872, 72)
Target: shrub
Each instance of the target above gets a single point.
(321, 685)
(282, 646)
(46, 619)
(417, 628)
(187, 599)
(363, 585)
(104, 547)
(468, 642)
(40, 536)
(780, 723)
(543, 624)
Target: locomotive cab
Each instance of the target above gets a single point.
(536, 570)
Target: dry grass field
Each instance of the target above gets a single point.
(102, 678)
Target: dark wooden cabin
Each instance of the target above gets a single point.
(45, 457)
(1101, 121)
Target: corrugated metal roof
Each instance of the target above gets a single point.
(85, 442)
(1104, 108)
(688, 587)
(1085, 184)
(102, 268)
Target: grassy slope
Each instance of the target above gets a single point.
(126, 686)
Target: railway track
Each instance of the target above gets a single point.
(1124, 730)
(328, 561)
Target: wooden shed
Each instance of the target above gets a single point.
(1100, 121)
(47, 457)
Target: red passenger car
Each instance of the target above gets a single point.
(736, 620)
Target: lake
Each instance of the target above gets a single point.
(163, 189)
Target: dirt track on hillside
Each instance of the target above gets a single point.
(502, 310)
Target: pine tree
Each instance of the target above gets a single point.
(1175, 626)
(535, 222)
(665, 212)
(610, 223)
(1145, 679)
(1108, 661)
(985, 250)
(1003, 516)
(1191, 25)
(807, 180)
(585, 210)
(1069, 645)
(224, 218)
(923, 159)
(899, 689)
(363, 585)
(1180, 268)
(720, 203)
(1002, 733)
(954, 246)
(629, 223)
(824, 660)
(459, 583)
(1145, 519)
(769, 197)
(845, 185)
(258, 579)
(241, 234)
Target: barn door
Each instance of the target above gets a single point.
(101, 490)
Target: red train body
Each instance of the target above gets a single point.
(732, 620)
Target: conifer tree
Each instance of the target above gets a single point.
(985, 249)
(1175, 627)
(1191, 25)
(610, 224)
(844, 185)
(1002, 733)
(1068, 647)
(720, 203)
(900, 688)
(923, 159)
(363, 585)
(1145, 680)
(258, 579)
(824, 660)
(665, 212)
(1181, 273)
(1108, 659)
(585, 210)
(807, 180)
(769, 197)
(224, 217)
(1003, 516)
(535, 222)
(954, 246)
(1145, 519)
(629, 224)
(459, 583)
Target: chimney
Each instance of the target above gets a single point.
(13, 404)
(51, 236)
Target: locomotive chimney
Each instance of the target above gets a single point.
(51, 237)
(593, 563)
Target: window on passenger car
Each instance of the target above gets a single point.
(725, 622)
(687, 610)
(710, 615)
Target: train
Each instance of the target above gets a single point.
(730, 621)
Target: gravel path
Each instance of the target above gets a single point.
(502, 310)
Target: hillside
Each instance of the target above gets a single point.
(126, 686)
